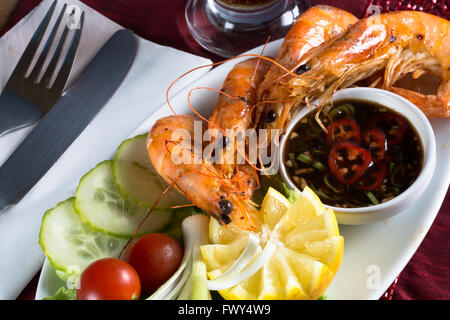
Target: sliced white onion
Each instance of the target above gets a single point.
(185, 293)
(195, 233)
(180, 285)
(175, 280)
(245, 257)
(232, 280)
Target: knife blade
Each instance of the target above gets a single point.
(67, 119)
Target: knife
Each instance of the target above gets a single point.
(57, 130)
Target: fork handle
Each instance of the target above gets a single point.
(16, 112)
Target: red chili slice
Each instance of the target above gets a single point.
(376, 143)
(348, 162)
(373, 177)
(343, 130)
(393, 126)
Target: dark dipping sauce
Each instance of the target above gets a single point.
(370, 154)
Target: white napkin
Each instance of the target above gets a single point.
(141, 93)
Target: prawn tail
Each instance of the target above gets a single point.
(431, 105)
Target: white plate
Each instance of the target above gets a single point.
(374, 254)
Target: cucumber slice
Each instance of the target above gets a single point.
(100, 205)
(70, 244)
(137, 179)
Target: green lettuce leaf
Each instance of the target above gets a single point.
(63, 294)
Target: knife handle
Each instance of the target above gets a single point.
(16, 112)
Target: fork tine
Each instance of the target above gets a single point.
(28, 54)
(38, 67)
(55, 58)
(66, 67)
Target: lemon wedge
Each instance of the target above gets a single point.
(274, 206)
(308, 251)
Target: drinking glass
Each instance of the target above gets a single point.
(230, 27)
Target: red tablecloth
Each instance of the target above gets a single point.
(426, 276)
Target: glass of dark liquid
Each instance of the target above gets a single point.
(231, 27)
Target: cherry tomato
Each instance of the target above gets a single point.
(376, 143)
(348, 162)
(343, 130)
(393, 126)
(155, 257)
(373, 177)
(109, 279)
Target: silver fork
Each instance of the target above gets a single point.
(26, 99)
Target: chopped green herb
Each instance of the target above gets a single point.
(305, 158)
(372, 197)
(319, 166)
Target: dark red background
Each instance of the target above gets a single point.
(426, 276)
